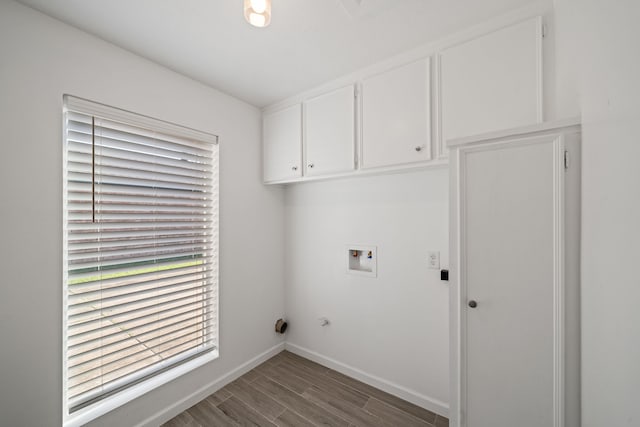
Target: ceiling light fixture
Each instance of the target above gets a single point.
(257, 12)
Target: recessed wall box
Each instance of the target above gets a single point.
(362, 260)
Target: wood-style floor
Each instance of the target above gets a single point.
(288, 390)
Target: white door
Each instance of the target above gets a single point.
(396, 116)
(510, 284)
(491, 83)
(282, 144)
(330, 132)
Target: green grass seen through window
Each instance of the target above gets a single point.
(134, 272)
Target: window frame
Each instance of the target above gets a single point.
(84, 415)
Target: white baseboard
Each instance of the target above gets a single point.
(433, 405)
(414, 397)
(171, 411)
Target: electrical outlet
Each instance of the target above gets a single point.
(433, 259)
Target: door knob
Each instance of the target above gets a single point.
(473, 304)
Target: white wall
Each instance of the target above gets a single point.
(395, 326)
(40, 59)
(393, 330)
(599, 44)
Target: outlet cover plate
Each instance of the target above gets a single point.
(433, 259)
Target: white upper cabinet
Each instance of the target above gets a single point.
(330, 133)
(282, 144)
(487, 84)
(492, 82)
(396, 116)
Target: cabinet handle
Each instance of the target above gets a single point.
(310, 165)
(419, 148)
(295, 168)
(473, 304)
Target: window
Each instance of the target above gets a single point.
(140, 256)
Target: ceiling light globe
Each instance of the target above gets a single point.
(257, 20)
(259, 6)
(257, 12)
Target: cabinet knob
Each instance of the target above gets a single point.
(295, 168)
(310, 165)
(473, 304)
(419, 148)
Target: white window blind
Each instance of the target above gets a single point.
(140, 249)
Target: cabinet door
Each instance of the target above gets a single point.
(396, 116)
(329, 132)
(491, 83)
(282, 144)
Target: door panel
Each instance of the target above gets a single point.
(492, 82)
(509, 270)
(330, 131)
(282, 144)
(396, 116)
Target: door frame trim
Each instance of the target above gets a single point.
(457, 291)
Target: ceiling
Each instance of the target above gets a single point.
(309, 42)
